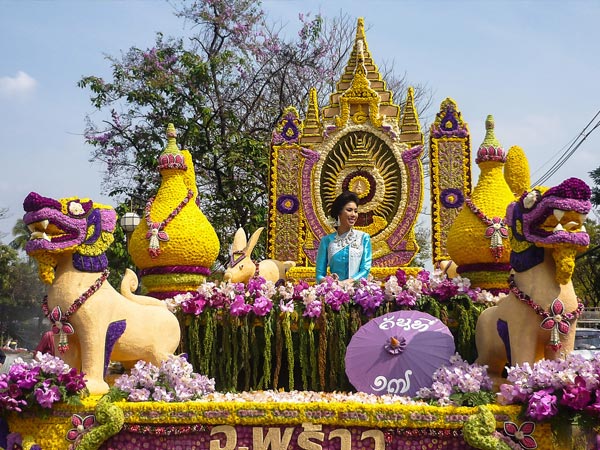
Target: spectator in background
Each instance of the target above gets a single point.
(46, 344)
(2, 357)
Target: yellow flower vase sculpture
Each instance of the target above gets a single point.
(478, 239)
(174, 245)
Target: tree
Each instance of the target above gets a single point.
(423, 237)
(595, 175)
(21, 235)
(224, 89)
(118, 255)
(586, 277)
(21, 293)
(3, 213)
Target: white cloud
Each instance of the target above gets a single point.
(21, 84)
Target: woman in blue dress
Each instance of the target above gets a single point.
(347, 252)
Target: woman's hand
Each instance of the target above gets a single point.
(347, 282)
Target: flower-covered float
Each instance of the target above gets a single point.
(262, 363)
(170, 404)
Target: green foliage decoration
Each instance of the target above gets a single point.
(110, 419)
(296, 336)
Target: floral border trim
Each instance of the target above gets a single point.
(287, 413)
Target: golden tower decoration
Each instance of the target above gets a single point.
(450, 174)
(361, 141)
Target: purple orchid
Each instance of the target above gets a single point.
(576, 396)
(542, 405)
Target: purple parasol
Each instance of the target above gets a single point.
(397, 353)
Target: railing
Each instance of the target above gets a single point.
(590, 318)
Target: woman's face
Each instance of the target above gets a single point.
(348, 216)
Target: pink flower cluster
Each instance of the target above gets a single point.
(174, 381)
(555, 388)
(39, 383)
(407, 290)
(260, 297)
(453, 382)
(237, 298)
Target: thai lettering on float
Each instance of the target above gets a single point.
(310, 437)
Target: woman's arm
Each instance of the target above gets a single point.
(366, 260)
(321, 267)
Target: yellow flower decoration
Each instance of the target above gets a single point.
(360, 185)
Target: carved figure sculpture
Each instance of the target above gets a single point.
(93, 323)
(537, 319)
(241, 267)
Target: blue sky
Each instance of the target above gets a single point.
(533, 65)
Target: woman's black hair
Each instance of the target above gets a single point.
(342, 200)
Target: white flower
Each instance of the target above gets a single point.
(414, 286)
(173, 304)
(531, 199)
(486, 297)
(286, 307)
(76, 209)
(392, 288)
(208, 289)
(309, 295)
(269, 289)
(286, 291)
(463, 283)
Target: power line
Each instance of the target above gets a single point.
(571, 149)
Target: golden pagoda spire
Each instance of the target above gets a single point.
(312, 123)
(360, 94)
(410, 128)
(367, 69)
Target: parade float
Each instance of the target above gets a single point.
(254, 364)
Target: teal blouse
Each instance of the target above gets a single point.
(348, 256)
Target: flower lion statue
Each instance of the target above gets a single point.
(537, 319)
(92, 323)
